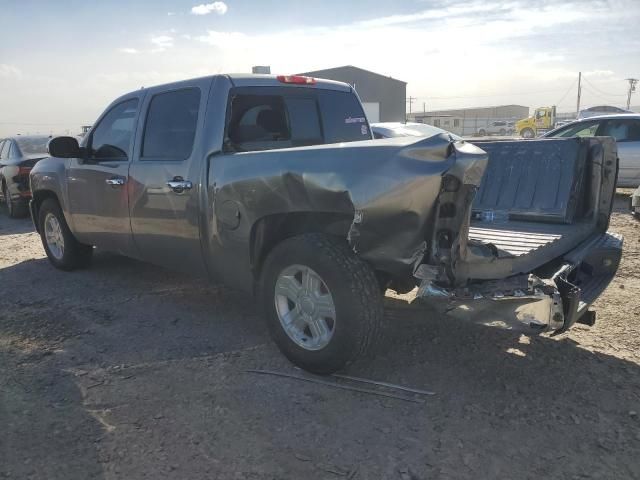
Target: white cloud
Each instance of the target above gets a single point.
(9, 71)
(206, 8)
(228, 39)
(131, 51)
(598, 73)
(170, 14)
(161, 42)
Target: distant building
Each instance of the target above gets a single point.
(469, 121)
(383, 98)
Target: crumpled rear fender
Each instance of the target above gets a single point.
(389, 188)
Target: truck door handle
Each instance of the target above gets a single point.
(115, 181)
(179, 185)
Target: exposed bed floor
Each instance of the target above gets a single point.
(517, 238)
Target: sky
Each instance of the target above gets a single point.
(63, 62)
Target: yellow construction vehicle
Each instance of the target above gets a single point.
(543, 120)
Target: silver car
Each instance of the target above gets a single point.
(624, 128)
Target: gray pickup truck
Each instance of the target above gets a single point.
(275, 185)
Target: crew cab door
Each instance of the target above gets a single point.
(97, 184)
(166, 177)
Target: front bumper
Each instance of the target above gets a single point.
(537, 302)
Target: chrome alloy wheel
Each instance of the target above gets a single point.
(53, 236)
(305, 307)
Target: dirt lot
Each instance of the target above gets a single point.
(130, 371)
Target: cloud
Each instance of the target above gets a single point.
(483, 51)
(9, 71)
(206, 8)
(162, 42)
(227, 39)
(170, 14)
(131, 51)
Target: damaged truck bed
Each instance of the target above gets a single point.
(537, 246)
(274, 185)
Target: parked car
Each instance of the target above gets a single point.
(625, 128)
(275, 185)
(17, 156)
(601, 110)
(409, 129)
(498, 127)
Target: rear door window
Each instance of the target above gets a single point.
(170, 128)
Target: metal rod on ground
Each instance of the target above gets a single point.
(336, 385)
(385, 384)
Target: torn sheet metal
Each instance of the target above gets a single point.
(387, 190)
(521, 302)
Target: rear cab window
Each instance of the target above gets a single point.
(265, 118)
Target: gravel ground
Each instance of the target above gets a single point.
(128, 371)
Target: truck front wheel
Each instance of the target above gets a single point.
(322, 303)
(61, 247)
(528, 133)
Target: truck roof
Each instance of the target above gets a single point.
(245, 80)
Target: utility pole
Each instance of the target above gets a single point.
(410, 101)
(424, 107)
(632, 88)
(579, 92)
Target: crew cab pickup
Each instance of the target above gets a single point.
(274, 185)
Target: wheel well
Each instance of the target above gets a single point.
(38, 197)
(268, 231)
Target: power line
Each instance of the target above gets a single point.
(601, 92)
(487, 96)
(593, 92)
(567, 93)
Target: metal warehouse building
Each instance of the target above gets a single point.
(384, 98)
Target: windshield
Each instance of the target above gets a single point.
(33, 146)
(582, 129)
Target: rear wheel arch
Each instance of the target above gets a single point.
(270, 230)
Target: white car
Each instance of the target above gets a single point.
(624, 128)
(498, 127)
(397, 129)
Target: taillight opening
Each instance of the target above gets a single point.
(297, 79)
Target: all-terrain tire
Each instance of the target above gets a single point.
(355, 291)
(74, 254)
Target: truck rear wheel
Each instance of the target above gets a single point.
(322, 303)
(61, 247)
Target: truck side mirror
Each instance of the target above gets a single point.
(64, 147)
